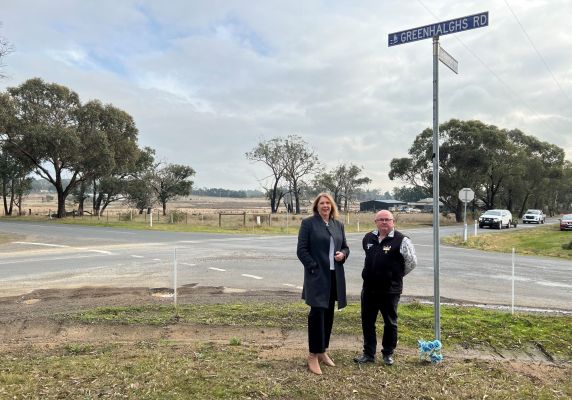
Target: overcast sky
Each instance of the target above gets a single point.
(207, 80)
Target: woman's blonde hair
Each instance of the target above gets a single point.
(334, 210)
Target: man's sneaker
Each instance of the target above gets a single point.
(364, 358)
(388, 359)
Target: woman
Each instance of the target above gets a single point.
(322, 249)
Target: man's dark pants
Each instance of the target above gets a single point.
(371, 304)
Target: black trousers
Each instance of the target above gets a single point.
(373, 303)
(321, 320)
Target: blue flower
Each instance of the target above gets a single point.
(430, 351)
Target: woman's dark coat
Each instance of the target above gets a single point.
(313, 251)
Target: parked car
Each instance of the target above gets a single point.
(566, 222)
(496, 219)
(536, 216)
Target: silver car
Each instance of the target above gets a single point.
(496, 219)
(533, 216)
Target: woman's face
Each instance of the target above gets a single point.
(324, 207)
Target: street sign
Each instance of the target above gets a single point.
(466, 195)
(439, 29)
(448, 60)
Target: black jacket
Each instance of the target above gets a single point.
(313, 251)
(384, 266)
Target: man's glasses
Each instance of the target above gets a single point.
(383, 219)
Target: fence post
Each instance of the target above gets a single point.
(244, 220)
(219, 220)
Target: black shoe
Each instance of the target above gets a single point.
(388, 359)
(364, 359)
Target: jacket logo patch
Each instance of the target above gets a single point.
(369, 245)
(386, 249)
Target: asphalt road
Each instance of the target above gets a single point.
(59, 256)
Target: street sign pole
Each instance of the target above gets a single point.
(436, 211)
(425, 32)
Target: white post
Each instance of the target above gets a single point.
(175, 276)
(151, 218)
(286, 219)
(465, 218)
(475, 228)
(512, 302)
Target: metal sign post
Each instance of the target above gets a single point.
(466, 195)
(425, 32)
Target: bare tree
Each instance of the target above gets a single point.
(299, 162)
(5, 49)
(270, 153)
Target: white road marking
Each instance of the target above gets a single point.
(29, 260)
(218, 269)
(189, 264)
(156, 259)
(553, 284)
(136, 256)
(101, 251)
(42, 244)
(252, 276)
(299, 287)
(288, 284)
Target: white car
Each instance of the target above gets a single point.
(496, 219)
(536, 216)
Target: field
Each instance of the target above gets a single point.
(219, 214)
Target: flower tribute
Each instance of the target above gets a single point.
(430, 351)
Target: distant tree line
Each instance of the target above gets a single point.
(506, 168)
(220, 192)
(84, 151)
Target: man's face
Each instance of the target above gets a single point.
(384, 221)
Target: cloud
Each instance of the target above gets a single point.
(205, 81)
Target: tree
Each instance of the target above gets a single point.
(60, 137)
(270, 153)
(5, 49)
(342, 182)
(299, 161)
(170, 181)
(410, 194)
(121, 153)
(503, 167)
(471, 154)
(14, 181)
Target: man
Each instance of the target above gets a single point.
(389, 256)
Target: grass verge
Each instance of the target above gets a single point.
(160, 369)
(467, 327)
(542, 241)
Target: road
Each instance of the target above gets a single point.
(47, 255)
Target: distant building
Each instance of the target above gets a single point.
(425, 205)
(376, 205)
